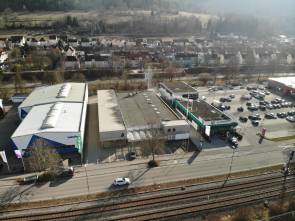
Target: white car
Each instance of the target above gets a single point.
(121, 181)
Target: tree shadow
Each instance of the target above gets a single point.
(58, 181)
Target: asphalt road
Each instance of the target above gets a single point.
(174, 167)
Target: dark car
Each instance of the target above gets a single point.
(66, 172)
(240, 109)
(282, 115)
(291, 113)
(270, 116)
(248, 104)
(243, 119)
(131, 155)
(252, 108)
(255, 117)
(262, 107)
(255, 123)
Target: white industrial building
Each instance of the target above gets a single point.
(55, 115)
(111, 125)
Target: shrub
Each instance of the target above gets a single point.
(275, 209)
(153, 163)
(243, 214)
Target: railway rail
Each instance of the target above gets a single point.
(175, 204)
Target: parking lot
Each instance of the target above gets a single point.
(277, 127)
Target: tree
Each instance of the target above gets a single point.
(153, 143)
(43, 157)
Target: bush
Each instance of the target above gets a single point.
(153, 163)
(243, 214)
(275, 209)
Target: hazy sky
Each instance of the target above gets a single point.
(280, 8)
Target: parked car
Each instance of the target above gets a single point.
(291, 113)
(248, 104)
(282, 115)
(131, 155)
(28, 179)
(233, 141)
(232, 96)
(243, 119)
(66, 172)
(290, 119)
(255, 123)
(269, 106)
(253, 108)
(254, 117)
(240, 109)
(262, 107)
(121, 181)
(270, 116)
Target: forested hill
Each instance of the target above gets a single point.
(56, 5)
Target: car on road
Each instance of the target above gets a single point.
(240, 109)
(243, 119)
(121, 181)
(290, 119)
(255, 123)
(282, 115)
(270, 116)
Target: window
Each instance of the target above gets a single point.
(169, 130)
(173, 130)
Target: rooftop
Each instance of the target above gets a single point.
(66, 120)
(74, 92)
(143, 109)
(179, 87)
(288, 81)
(109, 114)
(202, 109)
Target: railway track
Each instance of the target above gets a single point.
(175, 204)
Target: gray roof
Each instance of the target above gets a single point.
(48, 94)
(178, 87)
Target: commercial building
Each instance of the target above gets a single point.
(203, 116)
(53, 116)
(284, 85)
(111, 124)
(179, 89)
(132, 117)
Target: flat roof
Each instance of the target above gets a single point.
(288, 81)
(68, 120)
(143, 109)
(202, 109)
(48, 94)
(109, 113)
(179, 87)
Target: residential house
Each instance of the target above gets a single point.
(52, 40)
(73, 42)
(16, 41)
(3, 42)
(71, 62)
(33, 42)
(70, 51)
(186, 59)
(3, 56)
(98, 61)
(86, 43)
(42, 42)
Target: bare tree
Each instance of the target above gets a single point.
(43, 157)
(153, 144)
